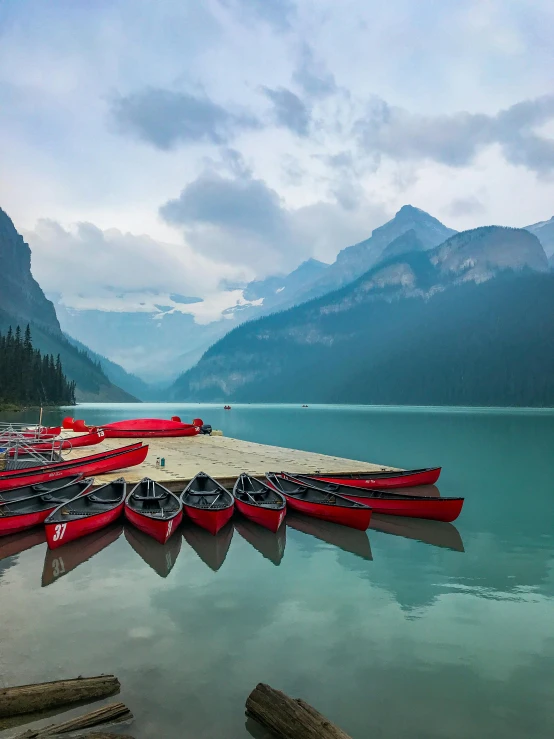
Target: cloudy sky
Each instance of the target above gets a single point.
(181, 145)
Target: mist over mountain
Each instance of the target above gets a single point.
(22, 301)
(461, 323)
(544, 231)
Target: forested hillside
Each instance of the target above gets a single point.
(28, 377)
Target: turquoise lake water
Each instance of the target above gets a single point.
(415, 630)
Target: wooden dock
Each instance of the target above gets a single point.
(220, 457)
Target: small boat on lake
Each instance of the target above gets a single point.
(395, 504)
(211, 548)
(87, 513)
(93, 464)
(61, 561)
(207, 503)
(154, 509)
(343, 537)
(328, 506)
(150, 427)
(160, 557)
(32, 511)
(259, 502)
(27, 491)
(384, 479)
(270, 544)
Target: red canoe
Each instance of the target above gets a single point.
(259, 502)
(207, 503)
(89, 439)
(93, 464)
(27, 491)
(385, 480)
(154, 509)
(92, 511)
(307, 499)
(138, 428)
(29, 512)
(42, 432)
(394, 504)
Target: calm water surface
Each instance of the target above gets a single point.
(416, 630)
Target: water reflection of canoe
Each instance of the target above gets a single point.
(160, 557)
(212, 549)
(271, 545)
(345, 538)
(58, 562)
(436, 533)
(17, 543)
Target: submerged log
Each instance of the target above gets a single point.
(43, 696)
(289, 718)
(112, 713)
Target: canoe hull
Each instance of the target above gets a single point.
(96, 464)
(58, 533)
(269, 518)
(67, 444)
(213, 521)
(159, 529)
(15, 524)
(417, 477)
(356, 518)
(434, 509)
(148, 434)
(139, 428)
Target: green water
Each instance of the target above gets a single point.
(426, 630)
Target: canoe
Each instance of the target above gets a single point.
(85, 514)
(393, 504)
(212, 549)
(28, 512)
(137, 428)
(434, 533)
(27, 491)
(41, 432)
(59, 562)
(93, 464)
(385, 479)
(259, 502)
(270, 544)
(154, 509)
(208, 503)
(160, 557)
(330, 507)
(343, 537)
(88, 439)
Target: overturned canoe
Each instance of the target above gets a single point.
(385, 479)
(138, 428)
(28, 512)
(93, 464)
(208, 503)
(92, 511)
(330, 507)
(154, 509)
(394, 504)
(259, 502)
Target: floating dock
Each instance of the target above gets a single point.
(221, 457)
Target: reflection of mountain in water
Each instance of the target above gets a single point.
(349, 540)
(271, 545)
(58, 562)
(436, 533)
(211, 549)
(160, 557)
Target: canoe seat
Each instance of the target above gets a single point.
(40, 488)
(103, 501)
(136, 496)
(51, 499)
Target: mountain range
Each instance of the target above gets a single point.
(23, 302)
(461, 323)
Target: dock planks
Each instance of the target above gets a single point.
(222, 457)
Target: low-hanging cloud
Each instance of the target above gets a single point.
(289, 110)
(165, 118)
(455, 140)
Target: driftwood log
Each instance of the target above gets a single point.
(289, 718)
(43, 696)
(112, 713)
